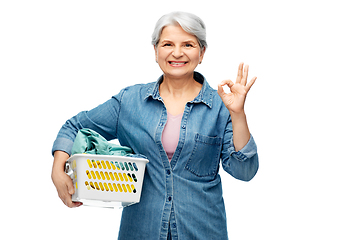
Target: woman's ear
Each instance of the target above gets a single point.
(156, 53)
(202, 53)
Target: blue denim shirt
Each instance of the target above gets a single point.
(183, 196)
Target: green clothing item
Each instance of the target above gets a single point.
(91, 142)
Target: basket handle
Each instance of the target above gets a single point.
(68, 170)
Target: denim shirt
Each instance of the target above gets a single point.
(184, 195)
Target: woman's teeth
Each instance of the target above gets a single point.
(177, 63)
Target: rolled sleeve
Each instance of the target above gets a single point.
(242, 164)
(62, 144)
(247, 152)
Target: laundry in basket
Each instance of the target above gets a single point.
(105, 180)
(89, 141)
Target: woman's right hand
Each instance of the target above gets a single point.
(62, 181)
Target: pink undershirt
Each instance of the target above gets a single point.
(170, 134)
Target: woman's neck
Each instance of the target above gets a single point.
(177, 92)
(180, 88)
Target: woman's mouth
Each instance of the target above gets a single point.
(177, 63)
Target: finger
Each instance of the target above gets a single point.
(67, 192)
(221, 91)
(69, 185)
(250, 84)
(77, 204)
(245, 75)
(73, 204)
(229, 83)
(68, 202)
(240, 70)
(65, 197)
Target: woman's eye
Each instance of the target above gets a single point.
(188, 45)
(167, 45)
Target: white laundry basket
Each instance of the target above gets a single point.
(106, 180)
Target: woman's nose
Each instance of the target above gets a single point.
(177, 52)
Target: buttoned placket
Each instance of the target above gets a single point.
(168, 218)
(167, 172)
(182, 135)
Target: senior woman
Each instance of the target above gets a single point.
(185, 129)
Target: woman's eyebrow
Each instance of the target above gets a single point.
(190, 41)
(165, 40)
(186, 41)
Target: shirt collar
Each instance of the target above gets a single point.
(205, 95)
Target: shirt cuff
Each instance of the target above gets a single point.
(248, 151)
(62, 144)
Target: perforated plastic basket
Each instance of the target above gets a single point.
(105, 180)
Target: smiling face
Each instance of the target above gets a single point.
(178, 52)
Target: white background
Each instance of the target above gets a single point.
(61, 57)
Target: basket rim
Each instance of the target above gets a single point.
(108, 157)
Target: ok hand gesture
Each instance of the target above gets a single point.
(235, 100)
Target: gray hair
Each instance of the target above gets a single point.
(189, 22)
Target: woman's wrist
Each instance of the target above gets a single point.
(238, 115)
(241, 133)
(60, 159)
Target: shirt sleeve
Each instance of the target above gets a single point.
(242, 164)
(102, 119)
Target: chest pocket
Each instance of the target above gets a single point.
(204, 159)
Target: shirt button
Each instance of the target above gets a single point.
(183, 126)
(168, 172)
(169, 199)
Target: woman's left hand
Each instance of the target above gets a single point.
(235, 100)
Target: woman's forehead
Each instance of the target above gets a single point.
(176, 33)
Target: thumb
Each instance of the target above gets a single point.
(70, 186)
(221, 91)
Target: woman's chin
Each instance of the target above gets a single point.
(178, 73)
